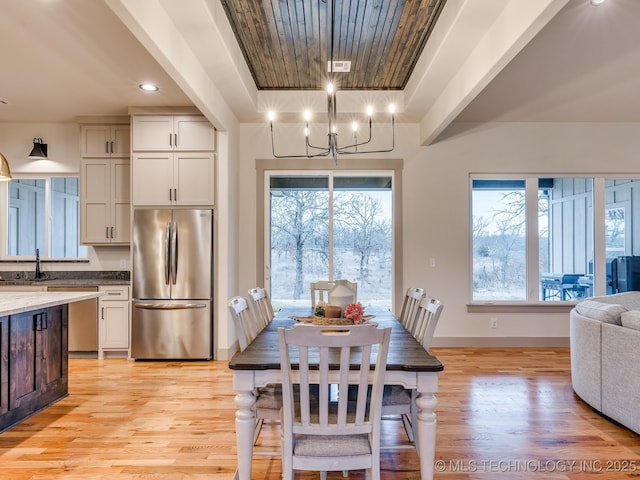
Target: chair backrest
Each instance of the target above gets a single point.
(246, 325)
(410, 305)
(426, 320)
(320, 291)
(262, 308)
(312, 348)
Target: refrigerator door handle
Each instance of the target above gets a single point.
(174, 252)
(169, 306)
(167, 258)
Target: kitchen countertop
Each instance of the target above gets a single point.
(20, 302)
(65, 282)
(66, 278)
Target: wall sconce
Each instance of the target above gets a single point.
(5, 171)
(39, 151)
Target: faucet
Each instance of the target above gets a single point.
(38, 272)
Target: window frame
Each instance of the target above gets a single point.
(360, 167)
(4, 219)
(532, 239)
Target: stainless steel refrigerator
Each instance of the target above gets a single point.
(172, 282)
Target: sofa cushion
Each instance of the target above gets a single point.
(605, 312)
(631, 319)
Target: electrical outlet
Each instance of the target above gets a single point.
(493, 322)
(123, 264)
(432, 262)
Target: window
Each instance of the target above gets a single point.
(622, 249)
(330, 226)
(43, 213)
(521, 223)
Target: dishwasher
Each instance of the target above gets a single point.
(83, 321)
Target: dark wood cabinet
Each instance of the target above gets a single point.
(33, 362)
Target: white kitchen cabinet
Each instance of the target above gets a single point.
(105, 141)
(105, 205)
(173, 178)
(113, 320)
(158, 133)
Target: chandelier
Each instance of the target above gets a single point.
(333, 149)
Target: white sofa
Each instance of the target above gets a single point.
(605, 354)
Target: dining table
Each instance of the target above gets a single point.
(408, 364)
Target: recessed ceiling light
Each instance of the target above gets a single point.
(148, 87)
(595, 3)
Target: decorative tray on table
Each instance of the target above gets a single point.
(315, 320)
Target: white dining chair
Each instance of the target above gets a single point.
(410, 305)
(427, 319)
(261, 303)
(320, 291)
(332, 433)
(396, 399)
(247, 328)
(268, 398)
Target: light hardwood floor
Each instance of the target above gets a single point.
(502, 413)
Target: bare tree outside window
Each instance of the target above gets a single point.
(301, 250)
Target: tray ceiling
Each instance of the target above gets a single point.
(287, 43)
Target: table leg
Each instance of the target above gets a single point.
(245, 426)
(426, 418)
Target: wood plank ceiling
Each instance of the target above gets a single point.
(287, 43)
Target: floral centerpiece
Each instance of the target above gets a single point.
(354, 312)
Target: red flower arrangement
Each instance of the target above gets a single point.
(354, 312)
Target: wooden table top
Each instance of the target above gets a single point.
(405, 353)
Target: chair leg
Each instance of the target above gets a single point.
(258, 428)
(408, 427)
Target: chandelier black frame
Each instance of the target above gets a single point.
(333, 149)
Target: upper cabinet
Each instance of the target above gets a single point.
(161, 133)
(104, 201)
(105, 141)
(105, 184)
(173, 160)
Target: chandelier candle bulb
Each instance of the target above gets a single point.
(332, 149)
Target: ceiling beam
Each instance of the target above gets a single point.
(470, 44)
(155, 27)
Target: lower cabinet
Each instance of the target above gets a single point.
(33, 362)
(113, 320)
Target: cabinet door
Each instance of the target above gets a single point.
(152, 177)
(120, 141)
(114, 324)
(194, 178)
(120, 201)
(4, 366)
(95, 141)
(95, 202)
(193, 133)
(54, 366)
(24, 360)
(152, 133)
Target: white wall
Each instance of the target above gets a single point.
(436, 209)
(63, 152)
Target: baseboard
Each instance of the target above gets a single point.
(539, 342)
